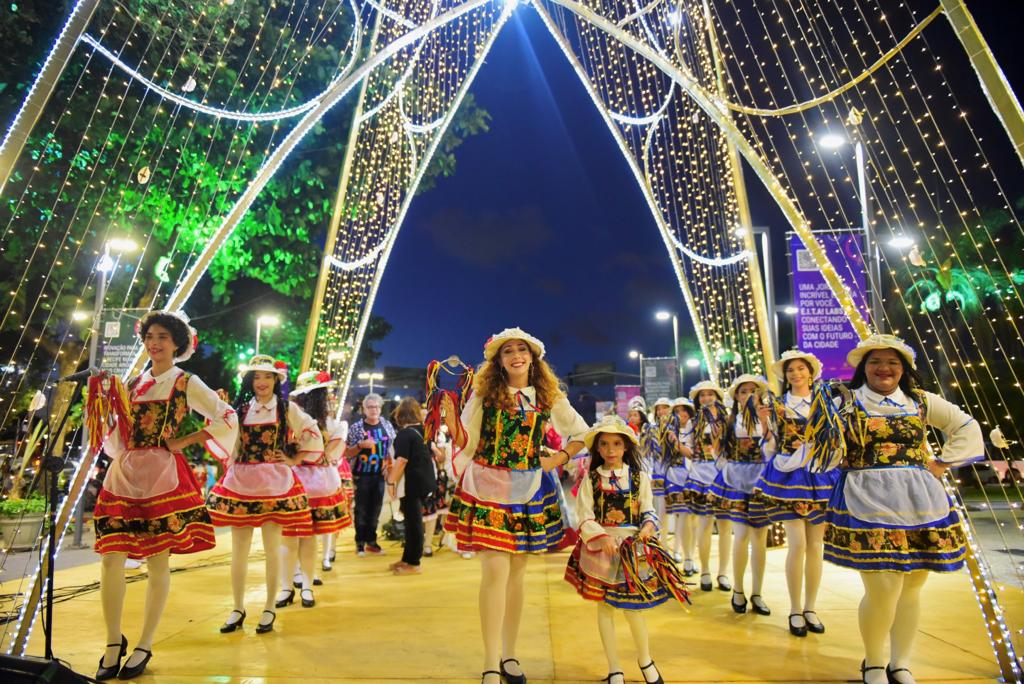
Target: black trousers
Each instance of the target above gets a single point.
(412, 509)
(369, 491)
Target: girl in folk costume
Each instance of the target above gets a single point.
(652, 451)
(889, 516)
(259, 488)
(505, 504)
(318, 473)
(797, 494)
(680, 450)
(614, 504)
(636, 415)
(731, 491)
(150, 504)
(708, 440)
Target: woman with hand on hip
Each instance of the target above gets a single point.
(150, 504)
(890, 517)
(505, 504)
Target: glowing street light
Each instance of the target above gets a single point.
(902, 242)
(693, 362)
(832, 141)
(790, 310)
(268, 320)
(634, 354)
(371, 376)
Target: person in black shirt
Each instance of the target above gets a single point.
(414, 461)
(370, 447)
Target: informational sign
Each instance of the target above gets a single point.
(623, 393)
(119, 342)
(660, 377)
(822, 327)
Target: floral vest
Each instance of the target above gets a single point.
(617, 508)
(887, 441)
(791, 426)
(742, 449)
(511, 439)
(257, 440)
(158, 420)
(706, 442)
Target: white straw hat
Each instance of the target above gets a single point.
(609, 424)
(759, 381)
(494, 342)
(267, 364)
(311, 380)
(812, 361)
(706, 385)
(877, 341)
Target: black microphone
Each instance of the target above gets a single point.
(81, 375)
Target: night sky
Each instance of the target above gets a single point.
(543, 224)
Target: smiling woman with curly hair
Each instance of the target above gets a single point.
(506, 503)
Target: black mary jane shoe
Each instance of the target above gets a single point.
(268, 627)
(723, 583)
(483, 675)
(705, 584)
(738, 607)
(864, 671)
(287, 600)
(798, 631)
(614, 674)
(104, 673)
(648, 666)
(759, 606)
(134, 671)
(891, 673)
(307, 602)
(230, 626)
(816, 627)
(509, 677)
(317, 582)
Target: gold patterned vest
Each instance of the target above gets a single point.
(511, 439)
(887, 441)
(742, 449)
(258, 441)
(617, 508)
(158, 420)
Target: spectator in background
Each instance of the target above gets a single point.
(414, 464)
(370, 446)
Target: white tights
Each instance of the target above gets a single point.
(705, 523)
(890, 607)
(501, 605)
(686, 530)
(428, 532)
(305, 549)
(804, 561)
(659, 509)
(637, 627)
(241, 541)
(112, 588)
(754, 540)
(328, 544)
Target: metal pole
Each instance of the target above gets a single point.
(769, 284)
(43, 87)
(642, 375)
(94, 338)
(871, 248)
(675, 342)
(258, 324)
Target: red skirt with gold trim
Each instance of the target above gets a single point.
(173, 520)
(251, 495)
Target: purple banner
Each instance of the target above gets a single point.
(821, 326)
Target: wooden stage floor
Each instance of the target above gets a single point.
(369, 626)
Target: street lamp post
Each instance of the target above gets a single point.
(634, 354)
(103, 267)
(264, 320)
(371, 376)
(872, 249)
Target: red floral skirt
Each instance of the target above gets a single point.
(148, 523)
(258, 498)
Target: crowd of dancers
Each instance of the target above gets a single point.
(850, 477)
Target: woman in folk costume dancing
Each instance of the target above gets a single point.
(654, 452)
(150, 504)
(318, 473)
(889, 516)
(505, 504)
(731, 492)
(259, 488)
(797, 495)
(615, 504)
(680, 449)
(709, 434)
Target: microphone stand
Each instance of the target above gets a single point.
(52, 466)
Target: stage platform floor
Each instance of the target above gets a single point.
(370, 626)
